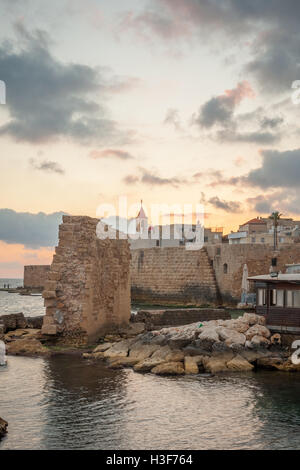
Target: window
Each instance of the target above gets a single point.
(157, 242)
(262, 240)
(296, 298)
(293, 298)
(273, 297)
(281, 240)
(280, 298)
(252, 239)
(225, 268)
(218, 251)
(205, 239)
(261, 297)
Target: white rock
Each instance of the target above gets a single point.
(257, 330)
(231, 336)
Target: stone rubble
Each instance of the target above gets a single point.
(214, 346)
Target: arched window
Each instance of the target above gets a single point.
(225, 268)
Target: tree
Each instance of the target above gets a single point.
(275, 216)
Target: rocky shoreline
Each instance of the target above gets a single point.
(214, 346)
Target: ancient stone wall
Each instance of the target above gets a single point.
(173, 276)
(35, 276)
(88, 289)
(228, 261)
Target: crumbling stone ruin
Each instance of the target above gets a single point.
(88, 289)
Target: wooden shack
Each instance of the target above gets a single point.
(278, 299)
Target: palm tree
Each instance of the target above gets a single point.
(275, 216)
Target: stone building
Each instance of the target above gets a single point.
(88, 288)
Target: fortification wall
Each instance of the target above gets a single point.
(228, 261)
(88, 289)
(35, 276)
(172, 276)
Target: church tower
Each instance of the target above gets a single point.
(142, 222)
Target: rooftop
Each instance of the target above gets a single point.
(255, 221)
(281, 277)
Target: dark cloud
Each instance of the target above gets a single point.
(278, 169)
(268, 30)
(255, 137)
(152, 179)
(272, 123)
(255, 127)
(47, 166)
(49, 99)
(31, 230)
(220, 109)
(227, 206)
(111, 153)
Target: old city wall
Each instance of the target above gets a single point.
(88, 289)
(35, 276)
(228, 261)
(172, 276)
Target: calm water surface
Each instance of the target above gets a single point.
(66, 402)
(15, 303)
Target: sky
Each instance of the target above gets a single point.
(168, 101)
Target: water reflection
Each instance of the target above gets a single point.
(66, 403)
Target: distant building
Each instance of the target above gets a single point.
(261, 231)
(172, 235)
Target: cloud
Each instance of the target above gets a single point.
(111, 153)
(131, 179)
(226, 206)
(278, 169)
(47, 166)
(31, 230)
(172, 118)
(150, 178)
(48, 99)
(266, 31)
(220, 109)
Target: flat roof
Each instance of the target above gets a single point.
(281, 277)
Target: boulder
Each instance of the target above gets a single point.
(166, 354)
(214, 364)
(239, 363)
(142, 351)
(270, 362)
(207, 337)
(119, 363)
(119, 349)
(276, 339)
(169, 368)
(3, 427)
(231, 336)
(102, 347)
(133, 329)
(147, 364)
(257, 330)
(197, 351)
(27, 347)
(252, 319)
(258, 342)
(191, 364)
(13, 321)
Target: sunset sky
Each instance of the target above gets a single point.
(169, 101)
